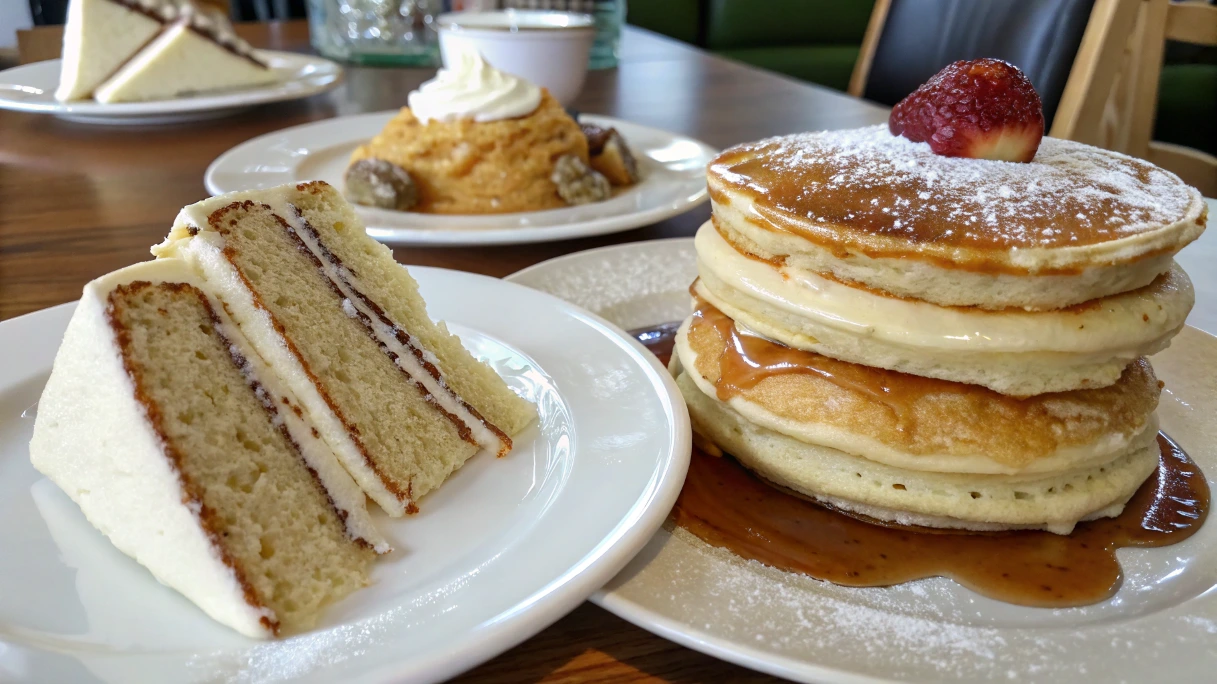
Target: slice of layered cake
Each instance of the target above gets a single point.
(396, 396)
(133, 50)
(101, 35)
(177, 442)
(198, 54)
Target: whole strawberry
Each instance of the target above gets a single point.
(982, 109)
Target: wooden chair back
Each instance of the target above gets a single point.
(39, 43)
(1186, 22)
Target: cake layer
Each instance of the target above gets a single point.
(176, 441)
(863, 205)
(397, 397)
(1012, 351)
(187, 57)
(910, 422)
(962, 501)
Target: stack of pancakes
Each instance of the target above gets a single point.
(936, 341)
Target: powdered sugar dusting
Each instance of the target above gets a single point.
(930, 630)
(874, 182)
(630, 287)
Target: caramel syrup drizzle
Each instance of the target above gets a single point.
(750, 359)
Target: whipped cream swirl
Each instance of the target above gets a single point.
(472, 89)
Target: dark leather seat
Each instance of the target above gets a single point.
(920, 37)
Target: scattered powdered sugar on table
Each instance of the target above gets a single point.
(1071, 194)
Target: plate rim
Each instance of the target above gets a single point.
(439, 237)
(536, 611)
(135, 112)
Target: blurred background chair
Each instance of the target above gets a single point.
(812, 40)
(908, 41)
(1162, 25)
(821, 41)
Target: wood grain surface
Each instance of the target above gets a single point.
(78, 201)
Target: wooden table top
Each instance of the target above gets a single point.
(78, 201)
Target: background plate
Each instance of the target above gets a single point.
(31, 88)
(673, 181)
(506, 547)
(1163, 620)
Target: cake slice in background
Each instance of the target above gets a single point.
(163, 425)
(133, 50)
(396, 396)
(101, 35)
(199, 53)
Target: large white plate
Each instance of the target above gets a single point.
(673, 181)
(31, 88)
(1162, 625)
(503, 549)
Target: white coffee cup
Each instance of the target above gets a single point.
(549, 49)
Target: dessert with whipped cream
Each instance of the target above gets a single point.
(133, 50)
(476, 140)
(941, 328)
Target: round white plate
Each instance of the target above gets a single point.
(673, 181)
(1162, 625)
(503, 549)
(31, 88)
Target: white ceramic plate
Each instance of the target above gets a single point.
(673, 181)
(31, 88)
(1162, 625)
(503, 549)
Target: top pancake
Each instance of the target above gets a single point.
(868, 193)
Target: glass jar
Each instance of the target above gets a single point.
(376, 32)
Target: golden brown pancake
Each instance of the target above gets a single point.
(907, 421)
(1075, 224)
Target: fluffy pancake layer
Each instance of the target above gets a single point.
(975, 502)
(909, 422)
(1014, 352)
(1075, 224)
